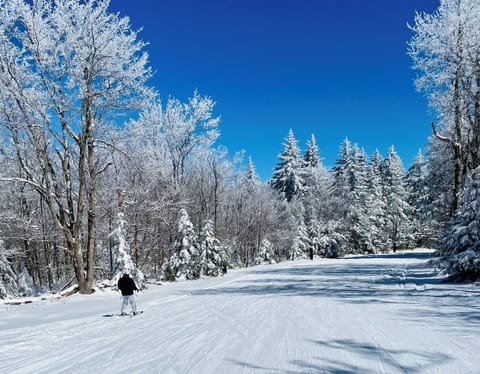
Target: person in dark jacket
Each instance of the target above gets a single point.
(127, 286)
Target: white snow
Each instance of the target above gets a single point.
(363, 314)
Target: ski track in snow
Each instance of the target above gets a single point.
(362, 314)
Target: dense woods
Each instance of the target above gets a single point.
(99, 176)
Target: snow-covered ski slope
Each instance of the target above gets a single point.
(364, 314)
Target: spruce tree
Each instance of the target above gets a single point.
(311, 156)
(123, 260)
(212, 255)
(342, 197)
(420, 199)
(460, 245)
(359, 215)
(377, 204)
(251, 180)
(288, 177)
(298, 249)
(266, 253)
(396, 199)
(184, 262)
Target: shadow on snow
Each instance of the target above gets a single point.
(357, 353)
(409, 284)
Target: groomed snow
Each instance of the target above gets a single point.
(364, 314)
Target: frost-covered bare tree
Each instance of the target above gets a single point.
(69, 69)
(445, 50)
(188, 127)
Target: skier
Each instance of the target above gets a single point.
(126, 285)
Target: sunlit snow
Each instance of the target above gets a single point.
(363, 314)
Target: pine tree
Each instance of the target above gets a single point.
(251, 180)
(376, 204)
(342, 197)
(331, 241)
(316, 198)
(184, 261)
(358, 218)
(396, 196)
(460, 245)
(123, 260)
(212, 255)
(300, 245)
(420, 200)
(8, 278)
(342, 170)
(288, 177)
(311, 157)
(266, 253)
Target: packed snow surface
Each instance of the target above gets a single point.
(363, 314)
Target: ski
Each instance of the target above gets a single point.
(108, 315)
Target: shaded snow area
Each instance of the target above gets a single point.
(364, 314)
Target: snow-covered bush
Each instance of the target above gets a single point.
(25, 283)
(12, 285)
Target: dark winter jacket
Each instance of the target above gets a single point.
(127, 285)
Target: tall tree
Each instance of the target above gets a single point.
(188, 127)
(288, 177)
(420, 200)
(251, 180)
(396, 199)
(377, 205)
(68, 70)
(445, 49)
(312, 156)
(359, 216)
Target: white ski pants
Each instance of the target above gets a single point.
(130, 299)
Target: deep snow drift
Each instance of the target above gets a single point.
(364, 314)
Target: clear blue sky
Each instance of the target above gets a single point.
(334, 68)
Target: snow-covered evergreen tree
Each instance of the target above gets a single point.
(251, 180)
(420, 199)
(123, 260)
(26, 286)
(184, 260)
(331, 241)
(300, 243)
(212, 254)
(316, 198)
(342, 171)
(312, 156)
(359, 209)
(8, 284)
(460, 245)
(396, 198)
(341, 193)
(440, 181)
(266, 253)
(9, 281)
(288, 177)
(376, 204)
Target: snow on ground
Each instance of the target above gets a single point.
(363, 314)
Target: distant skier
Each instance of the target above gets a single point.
(127, 286)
